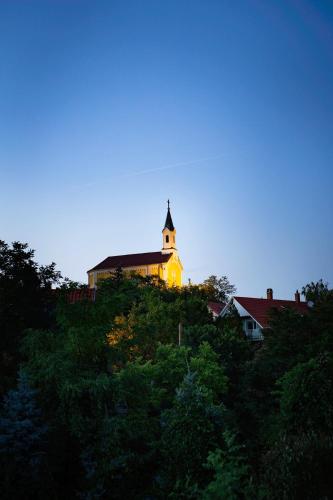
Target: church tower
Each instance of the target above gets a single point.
(169, 234)
(165, 264)
(172, 269)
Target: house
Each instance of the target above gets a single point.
(81, 294)
(164, 264)
(255, 312)
(215, 308)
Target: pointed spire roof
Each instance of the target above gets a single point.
(168, 221)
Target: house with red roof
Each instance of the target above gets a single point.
(81, 294)
(216, 308)
(255, 313)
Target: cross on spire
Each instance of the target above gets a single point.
(168, 223)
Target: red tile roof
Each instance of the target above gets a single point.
(216, 307)
(260, 309)
(81, 294)
(134, 259)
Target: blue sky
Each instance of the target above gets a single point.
(109, 108)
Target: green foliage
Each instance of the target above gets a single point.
(209, 373)
(297, 464)
(190, 429)
(231, 474)
(196, 334)
(295, 421)
(26, 301)
(315, 291)
(22, 446)
(286, 340)
(298, 467)
(131, 414)
(119, 454)
(168, 369)
(218, 289)
(306, 396)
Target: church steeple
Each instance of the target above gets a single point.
(168, 221)
(169, 233)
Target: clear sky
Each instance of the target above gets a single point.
(109, 108)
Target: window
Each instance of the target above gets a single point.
(251, 325)
(167, 238)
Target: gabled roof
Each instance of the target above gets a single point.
(216, 307)
(260, 309)
(81, 294)
(132, 260)
(168, 221)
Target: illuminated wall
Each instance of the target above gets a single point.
(170, 272)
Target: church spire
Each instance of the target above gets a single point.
(168, 221)
(169, 234)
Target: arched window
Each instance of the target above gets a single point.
(167, 238)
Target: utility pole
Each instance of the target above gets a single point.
(180, 333)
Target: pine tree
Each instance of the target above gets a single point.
(190, 429)
(22, 435)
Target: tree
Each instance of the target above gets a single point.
(171, 364)
(315, 291)
(209, 372)
(218, 289)
(306, 396)
(22, 445)
(231, 474)
(25, 302)
(190, 429)
(133, 414)
(297, 464)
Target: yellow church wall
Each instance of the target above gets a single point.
(104, 275)
(150, 270)
(91, 282)
(173, 273)
(170, 272)
(155, 270)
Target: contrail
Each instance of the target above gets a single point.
(150, 170)
(173, 165)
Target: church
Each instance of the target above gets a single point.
(165, 264)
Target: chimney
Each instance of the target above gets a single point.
(269, 293)
(297, 297)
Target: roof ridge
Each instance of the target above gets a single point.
(137, 253)
(132, 260)
(268, 300)
(259, 308)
